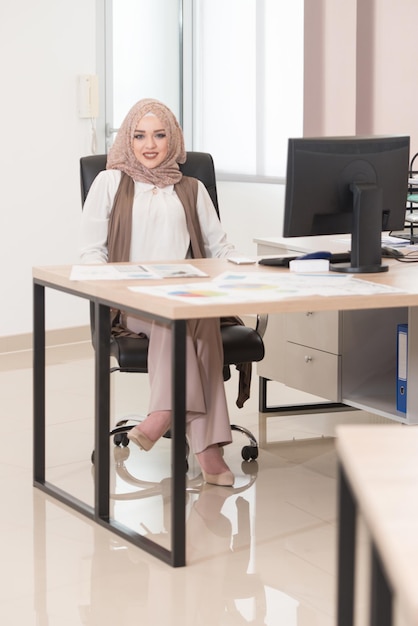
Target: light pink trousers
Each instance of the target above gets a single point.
(207, 419)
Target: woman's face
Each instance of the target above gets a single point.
(150, 142)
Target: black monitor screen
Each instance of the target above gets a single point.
(355, 185)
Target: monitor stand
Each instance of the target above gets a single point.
(366, 234)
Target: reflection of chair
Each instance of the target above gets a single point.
(162, 487)
(241, 344)
(224, 591)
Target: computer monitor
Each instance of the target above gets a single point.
(355, 185)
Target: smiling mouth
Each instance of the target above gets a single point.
(150, 155)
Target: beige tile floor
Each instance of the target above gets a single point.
(262, 553)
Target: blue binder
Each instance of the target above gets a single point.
(402, 367)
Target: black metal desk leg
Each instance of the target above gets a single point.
(102, 411)
(178, 492)
(262, 394)
(346, 552)
(381, 609)
(38, 384)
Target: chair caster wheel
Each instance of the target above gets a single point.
(249, 453)
(121, 439)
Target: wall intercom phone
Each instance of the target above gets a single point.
(88, 96)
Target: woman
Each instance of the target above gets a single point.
(143, 209)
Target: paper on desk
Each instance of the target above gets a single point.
(107, 271)
(173, 270)
(395, 242)
(387, 240)
(237, 287)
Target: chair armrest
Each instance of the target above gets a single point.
(261, 324)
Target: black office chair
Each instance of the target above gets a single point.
(241, 344)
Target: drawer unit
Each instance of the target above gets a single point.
(315, 333)
(313, 371)
(318, 329)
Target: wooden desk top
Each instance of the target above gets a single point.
(116, 292)
(381, 463)
(333, 243)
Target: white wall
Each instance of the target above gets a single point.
(44, 46)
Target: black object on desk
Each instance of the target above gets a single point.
(390, 252)
(283, 261)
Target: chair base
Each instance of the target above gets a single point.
(248, 452)
(120, 438)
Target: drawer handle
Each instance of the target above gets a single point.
(308, 359)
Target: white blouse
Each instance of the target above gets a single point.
(159, 230)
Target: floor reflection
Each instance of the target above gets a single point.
(261, 553)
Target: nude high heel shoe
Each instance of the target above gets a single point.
(140, 438)
(225, 479)
(211, 458)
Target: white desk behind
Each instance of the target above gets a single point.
(343, 356)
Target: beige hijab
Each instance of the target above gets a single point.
(121, 155)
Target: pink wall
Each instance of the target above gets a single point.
(361, 68)
(330, 68)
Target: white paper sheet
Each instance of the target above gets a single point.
(134, 272)
(238, 287)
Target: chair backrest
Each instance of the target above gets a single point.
(198, 165)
